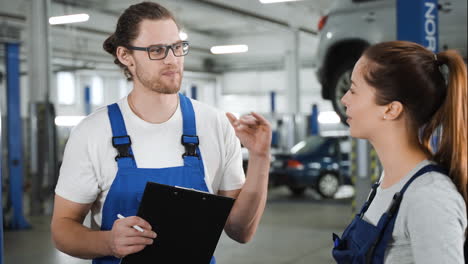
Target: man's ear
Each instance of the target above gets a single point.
(124, 56)
(393, 111)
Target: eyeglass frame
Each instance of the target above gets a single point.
(168, 47)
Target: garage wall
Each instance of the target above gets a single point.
(114, 87)
(250, 91)
(238, 92)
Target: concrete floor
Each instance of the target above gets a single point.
(292, 231)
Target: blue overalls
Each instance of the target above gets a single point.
(127, 188)
(363, 242)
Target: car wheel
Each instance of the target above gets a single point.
(297, 191)
(328, 185)
(340, 84)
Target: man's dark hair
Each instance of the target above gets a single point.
(127, 28)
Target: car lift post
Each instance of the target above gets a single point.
(14, 136)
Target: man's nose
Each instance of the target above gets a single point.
(170, 58)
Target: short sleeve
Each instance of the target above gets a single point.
(233, 177)
(436, 224)
(77, 180)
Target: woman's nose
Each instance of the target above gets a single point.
(343, 100)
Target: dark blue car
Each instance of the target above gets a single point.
(318, 162)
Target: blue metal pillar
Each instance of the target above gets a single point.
(193, 92)
(417, 21)
(87, 100)
(275, 133)
(273, 101)
(314, 124)
(14, 132)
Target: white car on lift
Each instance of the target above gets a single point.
(352, 25)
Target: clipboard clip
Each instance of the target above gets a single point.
(191, 189)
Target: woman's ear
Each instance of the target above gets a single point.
(124, 56)
(393, 111)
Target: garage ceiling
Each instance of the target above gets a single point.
(266, 28)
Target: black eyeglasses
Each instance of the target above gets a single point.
(159, 52)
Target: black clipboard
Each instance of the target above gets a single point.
(188, 222)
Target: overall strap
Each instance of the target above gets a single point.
(425, 169)
(189, 135)
(396, 201)
(120, 139)
(387, 221)
(372, 194)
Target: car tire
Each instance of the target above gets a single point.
(328, 184)
(297, 191)
(339, 85)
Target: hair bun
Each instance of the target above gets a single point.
(109, 44)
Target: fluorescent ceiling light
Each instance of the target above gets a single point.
(183, 35)
(276, 1)
(229, 49)
(68, 121)
(68, 19)
(328, 117)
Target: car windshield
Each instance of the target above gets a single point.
(308, 145)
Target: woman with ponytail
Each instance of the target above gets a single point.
(411, 104)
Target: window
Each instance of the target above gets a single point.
(65, 88)
(97, 91)
(308, 145)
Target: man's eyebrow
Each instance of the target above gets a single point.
(177, 42)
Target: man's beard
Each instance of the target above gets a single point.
(154, 83)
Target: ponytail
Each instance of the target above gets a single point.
(409, 71)
(452, 117)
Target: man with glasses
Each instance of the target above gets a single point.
(154, 134)
(159, 52)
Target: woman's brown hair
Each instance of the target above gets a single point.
(127, 28)
(433, 90)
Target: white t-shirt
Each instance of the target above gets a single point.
(89, 165)
(431, 222)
